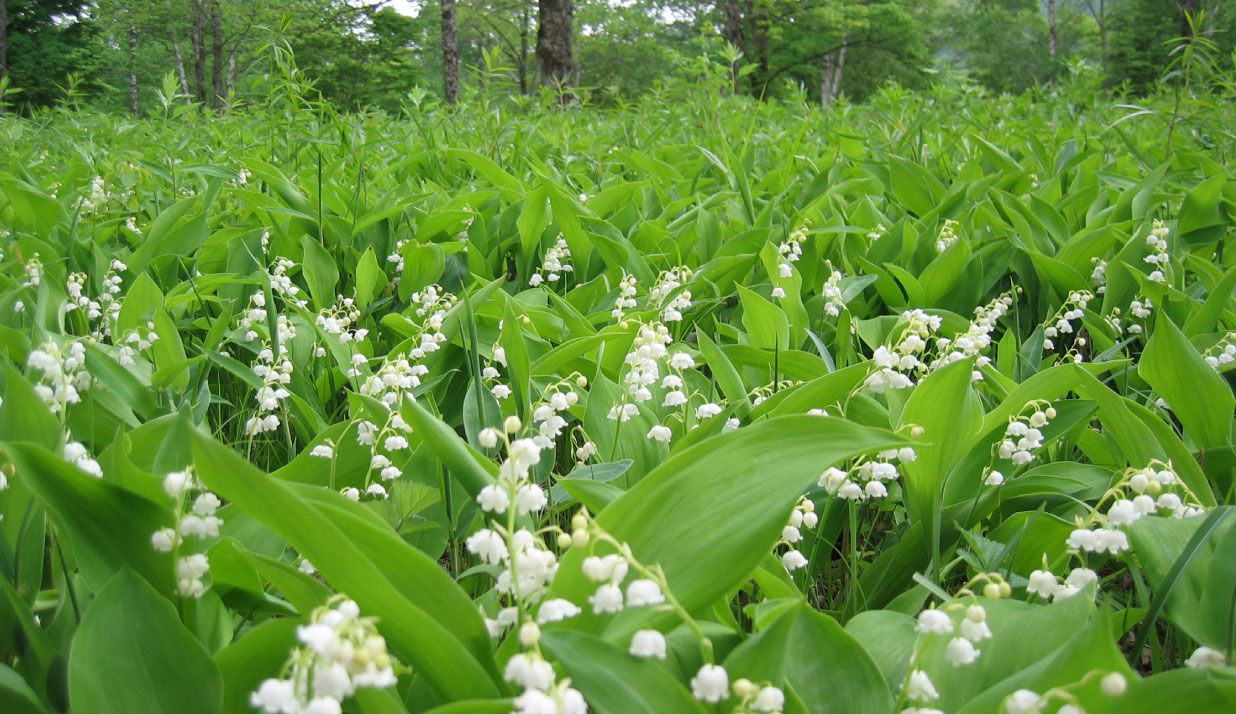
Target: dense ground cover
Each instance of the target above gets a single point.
(691, 406)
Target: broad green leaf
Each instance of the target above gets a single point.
(808, 652)
(131, 654)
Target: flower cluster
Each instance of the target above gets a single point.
(1139, 309)
(1223, 353)
(432, 305)
(1159, 258)
(275, 374)
(834, 299)
(281, 283)
(791, 250)
(802, 516)
(95, 200)
(195, 514)
(108, 302)
(1150, 490)
(894, 366)
(63, 376)
(963, 621)
(626, 296)
(136, 341)
(547, 421)
(340, 320)
(667, 282)
(1062, 323)
(557, 261)
(396, 377)
(339, 652)
(977, 337)
(947, 236)
(649, 349)
(1046, 585)
(1099, 275)
(387, 441)
(33, 270)
(752, 697)
(1023, 436)
(76, 453)
(865, 478)
(1028, 701)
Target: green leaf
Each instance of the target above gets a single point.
(914, 186)
(321, 273)
(1200, 220)
(415, 635)
(131, 654)
(534, 217)
(738, 488)
(766, 324)
(808, 652)
(107, 526)
(256, 656)
(613, 681)
(948, 411)
(1175, 370)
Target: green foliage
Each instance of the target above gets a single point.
(811, 397)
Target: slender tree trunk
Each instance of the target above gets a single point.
(133, 69)
(553, 42)
(759, 42)
(1187, 8)
(216, 66)
(180, 67)
(197, 44)
(1102, 20)
(4, 40)
(450, 53)
(525, 23)
(231, 72)
(1051, 29)
(732, 29)
(732, 32)
(831, 71)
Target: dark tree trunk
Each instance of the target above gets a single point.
(450, 53)
(197, 44)
(4, 40)
(553, 42)
(525, 23)
(1051, 29)
(759, 40)
(1102, 20)
(732, 29)
(132, 69)
(217, 63)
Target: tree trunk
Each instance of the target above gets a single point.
(133, 69)
(732, 29)
(525, 23)
(216, 67)
(1188, 8)
(231, 72)
(831, 70)
(553, 42)
(450, 53)
(197, 44)
(1051, 29)
(759, 40)
(180, 67)
(1102, 20)
(4, 40)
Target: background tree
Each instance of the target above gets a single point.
(554, 39)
